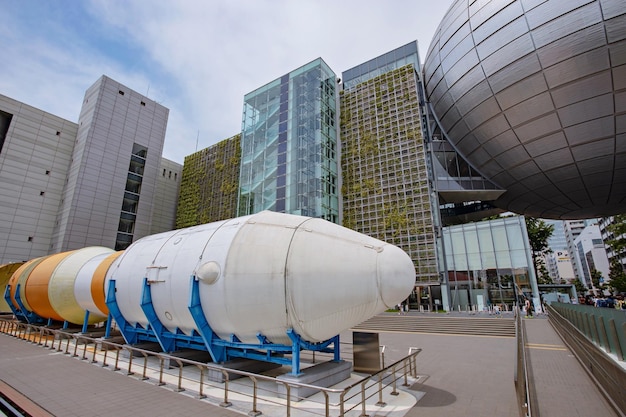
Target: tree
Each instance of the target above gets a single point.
(618, 276)
(595, 279)
(538, 234)
(580, 287)
(618, 240)
(543, 276)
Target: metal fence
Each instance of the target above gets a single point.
(604, 326)
(525, 402)
(584, 330)
(146, 364)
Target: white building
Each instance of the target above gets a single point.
(559, 265)
(66, 185)
(591, 254)
(572, 230)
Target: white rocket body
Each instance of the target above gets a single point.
(263, 274)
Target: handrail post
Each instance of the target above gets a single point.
(380, 402)
(406, 379)
(117, 359)
(225, 403)
(393, 373)
(130, 361)
(200, 391)
(363, 413)
(161, 364)
(145, 366)
(180, 375)
(254, 412)
(95, 349)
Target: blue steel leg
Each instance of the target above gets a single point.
(7, 298)
(218, 353)
(164, 336)
(85, 322)
(107, 331)
(336, 349)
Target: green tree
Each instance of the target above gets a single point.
(617, 241)
(595, 279)
(538, 234)
(618, 276)
(581, 288)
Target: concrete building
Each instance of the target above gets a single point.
(608, 235)
(573, 228)
(591, 255)
(559, 265)
(67, 185)
(165, 200)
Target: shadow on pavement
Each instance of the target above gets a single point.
(433, 397)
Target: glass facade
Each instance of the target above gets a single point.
(489, 263)
(289, 145)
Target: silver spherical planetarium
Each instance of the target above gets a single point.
(533, 94)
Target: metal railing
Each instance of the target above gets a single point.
(155, 366)
(521, 375)
(579, 331)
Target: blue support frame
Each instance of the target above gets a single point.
(205, 338)
(222, 350)
(21, 313)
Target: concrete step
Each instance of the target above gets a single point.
(446, 325)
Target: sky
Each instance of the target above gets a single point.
(198, 58)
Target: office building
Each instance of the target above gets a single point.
(591, 256)
(559, 265)
(384, 166)
(488, 263)
(607, 235)
(67, 185)
(289, 145)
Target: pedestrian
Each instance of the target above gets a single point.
(529, 308)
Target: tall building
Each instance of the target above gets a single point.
(591, 255)
(289, 145)
(573, 228)
(559, 265)
(558, 240)
(385, 178)
(608, 235)
(67, 185)
(35, 157)
(166, 196)
(115, 162)
(210, 184)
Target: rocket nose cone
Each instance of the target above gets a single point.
(396, 275)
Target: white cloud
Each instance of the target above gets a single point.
(199, 58)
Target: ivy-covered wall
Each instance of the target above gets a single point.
(384, 171)
(210, 184)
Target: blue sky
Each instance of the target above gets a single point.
(196, 57)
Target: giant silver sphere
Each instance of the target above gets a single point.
(533, 94)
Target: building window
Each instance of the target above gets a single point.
(5, 121)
